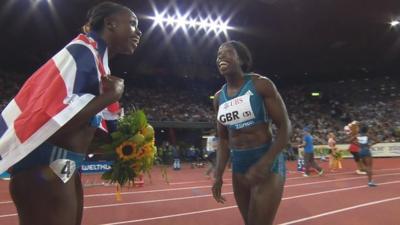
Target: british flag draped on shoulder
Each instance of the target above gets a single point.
(51, 97)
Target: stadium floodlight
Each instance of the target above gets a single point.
(181, 22)
(192, 23)
(170, 20)
(394, 23)
(186, 23)
(223, 26)
(220, 26)
(203, 23)
(214, 25)
(158, 19)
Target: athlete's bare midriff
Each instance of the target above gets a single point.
(250, 137)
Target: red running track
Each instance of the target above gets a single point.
(334, 198)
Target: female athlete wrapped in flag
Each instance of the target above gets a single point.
(47, 128)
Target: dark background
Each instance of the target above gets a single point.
(291, 40)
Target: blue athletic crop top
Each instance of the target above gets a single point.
(245, 109)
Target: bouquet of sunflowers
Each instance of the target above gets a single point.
(133, 149)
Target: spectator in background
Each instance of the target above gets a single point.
(309, 153)
(334, 160)
(177, 158)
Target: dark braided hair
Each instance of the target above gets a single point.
(97, 14)
(243, 53)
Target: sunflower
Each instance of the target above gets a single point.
(148, 150)
(140, 153)
(126, 150)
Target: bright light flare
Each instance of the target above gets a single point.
(394, 23)
(170, 20)
(186, 23)
(192, 23)
(158, 19)
(181, 22)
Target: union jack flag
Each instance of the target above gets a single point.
(52, 96)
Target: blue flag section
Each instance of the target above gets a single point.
(5, 176)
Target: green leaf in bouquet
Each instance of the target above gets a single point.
(116, 135)
(131, 174)
(148, 139)
(142, 119)
(148, 132)
(138, 139)
(139, 119)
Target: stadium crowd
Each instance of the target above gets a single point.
(373, 102)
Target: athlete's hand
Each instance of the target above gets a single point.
(257, 173)
(216, 190)
(113, 87)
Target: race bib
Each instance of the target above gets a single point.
(63, 168)
(362, 140)
(236, 111)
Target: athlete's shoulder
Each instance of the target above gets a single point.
(263, 84)
(216, 98)
(258, 78)
(218, 93)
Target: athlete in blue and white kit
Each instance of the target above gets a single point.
(246, 105)
(365, 153)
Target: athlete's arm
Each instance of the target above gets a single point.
(276, 110)
(222, 155)
(113, 90)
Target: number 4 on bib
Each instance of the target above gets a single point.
(63, 168)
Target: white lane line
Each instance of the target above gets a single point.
(6, 202)
(152, 201)
(8, 215)
(201, 187)
(230, 193)
(173, 215)
(209, 186)
(341, 210)
(195, 181)
(289, 178)
(152, 191)
(343, 173)
(227, 193)
(337, 190)
(231, 207)
(343, 179)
